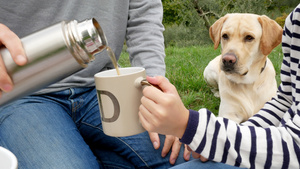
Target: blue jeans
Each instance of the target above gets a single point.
(207, 165)
(63, 130)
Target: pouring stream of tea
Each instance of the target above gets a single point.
(113, 58)
(114, 61)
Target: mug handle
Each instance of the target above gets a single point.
(143, 82)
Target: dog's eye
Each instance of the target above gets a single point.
(249, 38)
(225, 37)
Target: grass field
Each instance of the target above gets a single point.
(185, 68)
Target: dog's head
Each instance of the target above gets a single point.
(246, 40)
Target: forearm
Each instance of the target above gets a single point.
(222, 140)
(144, 37)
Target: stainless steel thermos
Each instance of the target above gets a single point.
(52, 54)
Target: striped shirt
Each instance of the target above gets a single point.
(269, 139)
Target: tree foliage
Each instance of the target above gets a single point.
(188, 11)
(187, 21)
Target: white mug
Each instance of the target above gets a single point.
(119, 98)
(7, 159)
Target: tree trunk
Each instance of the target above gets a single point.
(201, 14)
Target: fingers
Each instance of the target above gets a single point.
(175, 150)
(195, 155)
(162, 83)
(167, 145)
(146, 119)
(186, 153)
(203, 159)
(172, 144)
(154, 139)
(13, 43)
(6, 83)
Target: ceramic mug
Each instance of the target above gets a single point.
(119, 98)
(7, 159)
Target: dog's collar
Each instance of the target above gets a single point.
(263, 68)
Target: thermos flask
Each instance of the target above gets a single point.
(52, 54)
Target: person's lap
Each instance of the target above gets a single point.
(41, 135)
(63, 130)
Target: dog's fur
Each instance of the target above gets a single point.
(243, 76)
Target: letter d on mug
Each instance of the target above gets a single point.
(116, 106)
(119, 98)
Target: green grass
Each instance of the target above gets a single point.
(185, 68)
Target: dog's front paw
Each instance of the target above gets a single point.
(215, 92)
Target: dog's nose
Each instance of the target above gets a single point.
(228, 61)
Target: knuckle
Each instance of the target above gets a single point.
(4, 77)
(141, 108)
(7, 34)
(147, 91)
(3, 31)
(151, 128)
(3, 27)
(170, 137)
(175, 153)
(143, 99)
(168, 101)
(161, 114)
(177, 140)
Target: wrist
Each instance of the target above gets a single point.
(183, 123)
(191, 127)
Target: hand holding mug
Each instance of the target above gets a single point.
(162, 111)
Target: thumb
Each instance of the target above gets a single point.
(162, 82)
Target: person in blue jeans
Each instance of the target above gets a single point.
(269, 139)
(59, 126)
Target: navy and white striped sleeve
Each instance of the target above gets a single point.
(271, 138)
(223, 140)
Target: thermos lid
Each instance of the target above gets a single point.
(89, 40)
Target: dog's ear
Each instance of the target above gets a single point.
(271, 34)
(215, 31)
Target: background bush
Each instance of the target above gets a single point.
(187, 21)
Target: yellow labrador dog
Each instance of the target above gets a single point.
(243, 76)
